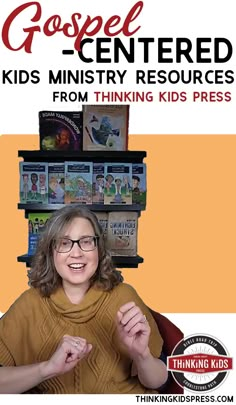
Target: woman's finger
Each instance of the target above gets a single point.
(139, 317)
(128, 315)
(139, 327)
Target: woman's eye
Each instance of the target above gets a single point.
(65, 242)
(87, 241)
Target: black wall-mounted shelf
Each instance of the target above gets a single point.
(93, 207)
(119, 261)
(86, 156)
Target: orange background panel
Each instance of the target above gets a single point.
(187, 235)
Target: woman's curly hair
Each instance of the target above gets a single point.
(43, 274)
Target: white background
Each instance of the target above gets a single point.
(170, 18)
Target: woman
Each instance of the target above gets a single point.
(78, 329)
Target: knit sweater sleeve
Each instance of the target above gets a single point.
(126, 293)
(13, 328)
(6, 358)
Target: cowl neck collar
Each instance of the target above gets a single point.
(78, 313)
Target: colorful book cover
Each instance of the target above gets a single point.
(56, 183)
(139, 183)
(36, 224)
(105, 127)
(60, 130)
(98, 183)
(118, 186)
(78, 182)
(33, 182)
(122, 233)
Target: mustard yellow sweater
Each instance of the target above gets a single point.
(33, 326)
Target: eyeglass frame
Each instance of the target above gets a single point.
(95, 239)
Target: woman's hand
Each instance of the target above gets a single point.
(133, 329)
(69, 352)
(15, 380)
(134, 332)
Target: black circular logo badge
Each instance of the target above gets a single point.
(199, 363)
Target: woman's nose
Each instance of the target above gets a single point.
(76, 250)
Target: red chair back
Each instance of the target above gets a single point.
(171, 335)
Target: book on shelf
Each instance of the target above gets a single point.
(36, 224)
(78, 182)
(105, 127)
(139, 183)
(122, 230)
(33, 182)
(98, 183)
(56, 183)
(118, 188)
(60, 130)
(103, 221)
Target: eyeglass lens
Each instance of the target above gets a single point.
(87, 243)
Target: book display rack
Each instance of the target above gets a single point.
(125, 158)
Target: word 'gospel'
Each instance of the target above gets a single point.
(54, 24)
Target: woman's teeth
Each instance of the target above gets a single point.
(76, 266)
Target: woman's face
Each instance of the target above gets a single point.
(76, 267)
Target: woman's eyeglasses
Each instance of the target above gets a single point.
(86, 243)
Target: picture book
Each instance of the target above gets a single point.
(78, 182)
(56, 183)
(117, 187)
(33, 182)
(139, 183)
(98, 183)
(60, 130)
(36, 224)
(102, 217)
(105, 127)
(122, 233)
